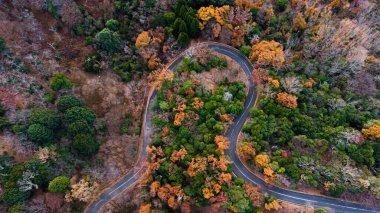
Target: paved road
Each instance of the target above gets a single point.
(238, 168)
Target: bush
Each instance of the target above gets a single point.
(45, 117)
(2, 45)
(80, 113)
(112, 24)
(245, 50)
(59, 184)
(281, 5)
(79, 127)
(92, 63)
(67, 102)
(40, 134)
(320, 210)
(108, 40)
(124, 126)
(60, 81)
(3, 123)
(337, 190)
(85, 145)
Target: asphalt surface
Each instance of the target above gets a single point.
(238, 168)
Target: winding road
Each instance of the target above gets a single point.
(239, 169)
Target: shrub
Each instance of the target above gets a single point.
(60, 81)
(108, 40)
(92, 63)
(281, 4)
(80, 113)
(79, 127)
(112, 24)
(59, 184)
(85, 145)
(337, 190)
(40, 134)
(3, 123)
(124, 126)
(45, 117)
(67, 102)
(245, 50)
(2, 45)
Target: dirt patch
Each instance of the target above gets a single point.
(10, 144)
(232, 73)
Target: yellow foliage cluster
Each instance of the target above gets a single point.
(179, 117)
(274, 205)
(207, 193)
(197, 165)
(154, 186)
(168, 193)
(178, 155)
(224, 178)
(156, 77)
(145, 208)
(372, 133)
(267, 53)
(246, 150)
(153, 62)
(165, 131)
(180, 108)
(309, 83)
(222, 143)
(247, 5)
(143, 40)
(197, 103)
(274, 82)
(268, 172)
(299, 22)
(207, 13)
(155, 152)
(262, 160)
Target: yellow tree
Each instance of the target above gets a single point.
(143, 40)
(299, 22)
(286, 100)
(267, 53)
(145, 208)
(178, 155)
(372, 133)
(222, 143)
(262, 160)
(274, 205)
(154, 186)
(246, 150)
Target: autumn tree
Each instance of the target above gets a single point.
(145, 208)
(286, 100)
(222, 143)
(372, 132)
(246, 150)
(178, 155)
(267, 53)
(262, 160)
(299, 23)
(143, 40)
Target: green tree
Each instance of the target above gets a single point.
(239, 200)
(169, 18)
(92, 63)
(183, 38)
(45, 117)
(59, 81)
(337, 190)
(59, 184)
(281, 4)
(80, 113)
(79, 127)
(245, 50)
(2, 45)
(194, 27)
(320, 210)
(108, 40)
(112, 24)
(39, 134)
(67, 102)
(85, 145)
